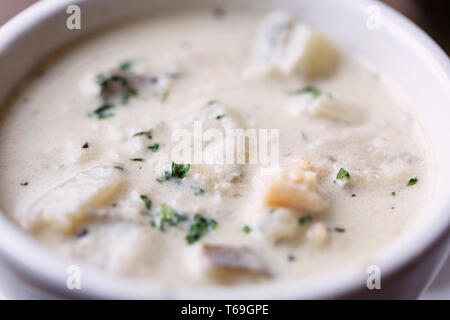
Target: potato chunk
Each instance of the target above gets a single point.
(64, 206)
(325, 106)
(285, 46)
(295, 188)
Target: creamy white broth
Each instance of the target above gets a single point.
(68, 178)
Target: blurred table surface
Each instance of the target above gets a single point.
(431, 15)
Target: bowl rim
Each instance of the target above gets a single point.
(46, 271)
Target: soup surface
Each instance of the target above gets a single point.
(120, 152)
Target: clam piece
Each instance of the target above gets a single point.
(224, 260)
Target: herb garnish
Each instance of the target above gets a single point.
(167, 215)
(138, 159)
(412, 181)
(147, 201)
(393, 193)
(212, 102)
(103, 112)
(315, 92)
(148, 134)
(304, 219)
(220, 116)
(165, 177)
(247, 229)
(154, 147)
(343, 174)
(165, 96)
(199, 228)
(125, 66)
(180, 170)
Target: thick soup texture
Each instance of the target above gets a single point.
(91, 152)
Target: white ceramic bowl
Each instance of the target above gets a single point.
(399, 48)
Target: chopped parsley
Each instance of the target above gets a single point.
(103, 112)
(220, 116)
(247, 229)
(212, 102)
(393, 193)
(125, 66)
(165, 177)
(148, 134)
(167, 215)
(137, 160)
(147, 201)
(154, 147)
(343, 174)
(314, 91)
(412, 181)
(165, 96)
(180, 170)
(200, 226)
(305, 219)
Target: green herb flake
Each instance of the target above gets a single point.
(212, 102)
(147, 201)
(200, 227)
(305, 219)
(165, 177)
(126, 65)
(138, 159)
(393, 193)
(168, 215)
(148, 134)
(314, 91)
(343, 174)
(103, 112)
(247, 229)
(180, 170)
(220, 116)
(412, 181)
(165, 96)
(154, 147)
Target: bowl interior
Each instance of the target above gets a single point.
(397, 48)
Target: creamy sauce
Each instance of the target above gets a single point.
(348, 148)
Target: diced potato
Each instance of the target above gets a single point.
(325, 106)
(278, 225)
(286, 47)
(295, 188)
(318, 234)
(309, 53)
(65, 206)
